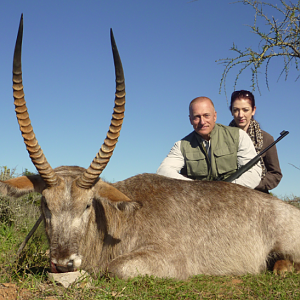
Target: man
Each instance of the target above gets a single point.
(211, 150)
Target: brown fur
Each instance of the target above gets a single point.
(170, 228)
(281, 267)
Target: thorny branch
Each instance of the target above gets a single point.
(282, 39)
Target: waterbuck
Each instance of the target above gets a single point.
(149, 224)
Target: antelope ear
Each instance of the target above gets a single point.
(22, 185)
(107, 191)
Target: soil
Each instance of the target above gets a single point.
(10, 291)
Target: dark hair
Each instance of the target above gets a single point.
(241, 95)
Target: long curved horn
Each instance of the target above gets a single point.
(35, 152)
(102, 158)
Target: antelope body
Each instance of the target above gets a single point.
(150, 224)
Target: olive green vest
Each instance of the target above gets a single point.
(224, 143)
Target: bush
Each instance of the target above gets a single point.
(6, 173)
(17, 217)
(293, 200)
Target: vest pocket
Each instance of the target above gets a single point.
(226, 160)
(196, 164)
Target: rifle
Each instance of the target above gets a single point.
(253, 161)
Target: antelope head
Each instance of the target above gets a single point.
(68, 193)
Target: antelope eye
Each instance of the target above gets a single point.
(88, 206)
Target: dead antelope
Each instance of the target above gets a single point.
(149, 224)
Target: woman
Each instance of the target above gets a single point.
(242, 107)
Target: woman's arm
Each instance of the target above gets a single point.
(271, 161)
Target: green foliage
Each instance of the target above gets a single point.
(19, 211)
(280, 39)
(293, 200)
(6, 211)
(6, 173)
(27, 173)
(17, 217)
(15, 211)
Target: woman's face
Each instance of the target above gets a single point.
(242, 112)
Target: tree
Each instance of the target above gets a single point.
(27, 173)
(281, 39)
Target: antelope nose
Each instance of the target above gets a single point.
(56, 268)
(70, 266)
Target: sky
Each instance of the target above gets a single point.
(168, 50)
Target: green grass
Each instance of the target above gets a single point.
(263, 286)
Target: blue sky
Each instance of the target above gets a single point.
(168, 50)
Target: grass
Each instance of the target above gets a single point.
(28, 273)
(263, 286)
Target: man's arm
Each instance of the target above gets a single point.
(246, 152)
(173, 163)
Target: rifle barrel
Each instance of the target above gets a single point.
(254, 160)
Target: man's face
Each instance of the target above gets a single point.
(203, 118)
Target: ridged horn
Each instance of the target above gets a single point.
(102, 158)
(35, 152)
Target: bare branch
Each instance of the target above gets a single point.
(294, 166)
